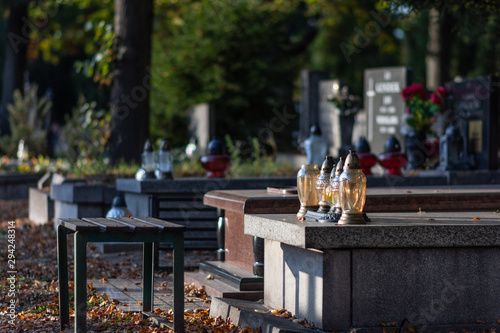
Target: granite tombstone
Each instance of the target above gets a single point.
(475, 108)
(383, 103)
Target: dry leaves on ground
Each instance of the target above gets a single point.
(36, 287)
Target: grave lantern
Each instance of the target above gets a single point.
(147, 170)
(316, 146)
(216, 162)
(118, 208)
(366, 158)
(352, 191)
(392, 160)
(306, 189)
(452, 150)
(332, 191)
(165, 165)
(322, 183)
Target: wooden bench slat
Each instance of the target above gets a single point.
(108, 225)
(164, 225)
(137, 225)
(125, 224)
(78, 225)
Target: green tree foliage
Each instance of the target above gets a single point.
(476, 48)
(68, 28)
(240, 56)
(354, 35)
(472, 49)
(86, 132)
(460, 5)
(28, 116)
(414, 45)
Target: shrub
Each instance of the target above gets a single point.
(28, 118)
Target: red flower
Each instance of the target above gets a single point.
(441, 91)
(407, 93)
(414, 91)
(420, 91)
(436, 99)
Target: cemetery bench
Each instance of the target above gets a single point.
(146, 230)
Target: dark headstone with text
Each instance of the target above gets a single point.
(475, 109)
(383, 104)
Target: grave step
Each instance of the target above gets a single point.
(254, 314)
(218, 288)
(234, 276)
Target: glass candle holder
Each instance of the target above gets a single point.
(148, 157)
(322, 184)
(306, 189)
(147, 170)
(352, 191)
(332, 191)
(165, 163)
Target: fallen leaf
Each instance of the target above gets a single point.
(480, 321)
(209, 277)
(408, 192)
(389, 324)
(476, 219)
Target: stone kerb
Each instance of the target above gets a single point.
(78, 200)
(16, 186)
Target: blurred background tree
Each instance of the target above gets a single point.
(242, 57)
(16, 39)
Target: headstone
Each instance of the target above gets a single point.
(199, 125)
(337, 131)
(475, 109)
(384, 105)
(309, 100)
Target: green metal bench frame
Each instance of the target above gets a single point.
(146, 230)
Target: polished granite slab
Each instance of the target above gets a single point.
(387, 230)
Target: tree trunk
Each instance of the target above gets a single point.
(15, 60)
(441, 37)
(433, 65)
(132, 79)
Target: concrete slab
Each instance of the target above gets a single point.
(41, 206)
